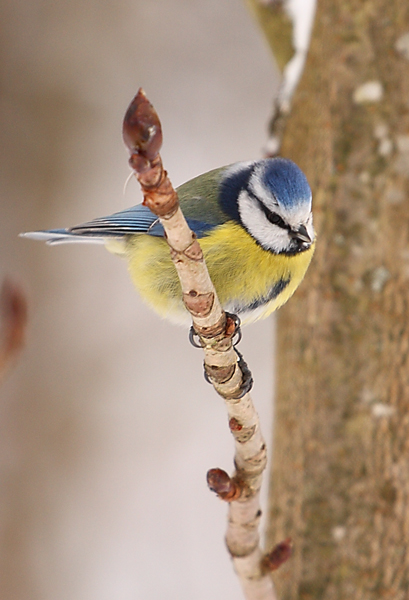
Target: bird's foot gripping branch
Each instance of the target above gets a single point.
(216, 334)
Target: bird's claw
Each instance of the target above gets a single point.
(247, 377)
(236, 335)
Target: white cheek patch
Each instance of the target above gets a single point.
(267, 234)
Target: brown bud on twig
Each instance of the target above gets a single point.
(226, 488)
(279, 555)
(142, 131)
(13, 311)
(142, 134)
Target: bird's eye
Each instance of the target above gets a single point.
(275, 219)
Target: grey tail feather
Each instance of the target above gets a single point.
(63, 236)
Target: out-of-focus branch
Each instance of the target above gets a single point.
(224, 367)
(277, 27)
(13, 314)
(289, 45)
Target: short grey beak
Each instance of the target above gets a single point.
(301, 234)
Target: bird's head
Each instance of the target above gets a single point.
(271, 199)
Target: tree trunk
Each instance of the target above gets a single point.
(340, 478)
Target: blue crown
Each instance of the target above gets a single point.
(286, 181)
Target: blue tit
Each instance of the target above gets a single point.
(254, 223)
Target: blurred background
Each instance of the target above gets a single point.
(103, 453)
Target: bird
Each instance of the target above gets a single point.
(254, 223)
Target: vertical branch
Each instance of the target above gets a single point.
(340, 468)
(224, 366)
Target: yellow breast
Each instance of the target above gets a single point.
(248, 279)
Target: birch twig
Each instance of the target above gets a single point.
(224, 366)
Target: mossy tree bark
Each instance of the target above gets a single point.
(340, 477)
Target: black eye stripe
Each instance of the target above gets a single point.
(273, 217)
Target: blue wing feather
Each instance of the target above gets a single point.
(198, 199)
(137, 219)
